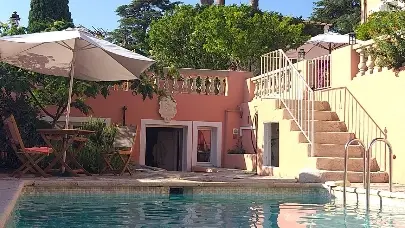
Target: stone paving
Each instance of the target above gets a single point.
(222, 175)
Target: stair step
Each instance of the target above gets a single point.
(354, 177)
(340, 138)
(337, 164)
(304, 104)
(322, 176)
(318, 115)
(336, 150)
(321, 126)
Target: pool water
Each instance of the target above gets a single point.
(133, 210)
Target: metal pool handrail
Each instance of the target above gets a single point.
(345, 166)
(368, 167)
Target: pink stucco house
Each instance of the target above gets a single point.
(292, 120)
(195, 129)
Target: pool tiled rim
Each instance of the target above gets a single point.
(16, 188)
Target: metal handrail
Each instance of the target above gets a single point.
(279, 76)
(368, 168)
(346, 162)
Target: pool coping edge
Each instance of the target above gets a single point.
(9, 207)
(373, 192)
(108, 184)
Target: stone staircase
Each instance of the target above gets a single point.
(331, 135)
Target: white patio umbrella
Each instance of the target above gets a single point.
(329, 41)
(320, 45)
(311, 52)
(72, 53)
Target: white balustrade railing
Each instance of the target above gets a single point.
(318, 72)
(280, 79)
(191, 84)
(194, 84)
(367, 64)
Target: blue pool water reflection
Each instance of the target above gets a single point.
(131, 210)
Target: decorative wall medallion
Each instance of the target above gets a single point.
(167, 109)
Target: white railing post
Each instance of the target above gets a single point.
(362, 64)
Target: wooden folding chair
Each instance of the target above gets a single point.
(29, 157)
(123, 143)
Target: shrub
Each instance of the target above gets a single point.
(99, 142)
(237, 149)
(387, 30)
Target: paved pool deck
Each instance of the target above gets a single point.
(150, 176)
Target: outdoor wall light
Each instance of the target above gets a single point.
(352, 38)
(301, 54)
(15, 19)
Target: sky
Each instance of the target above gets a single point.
(101, 13)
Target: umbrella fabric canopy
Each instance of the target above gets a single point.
(311, 52)
(320, 45)
(54, 53)
(72, 53)
(329, 40)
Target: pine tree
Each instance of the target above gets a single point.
(45, 12)
(221, 2)
(206, 2)
(344, 15)
(135, 19)
(254, 4)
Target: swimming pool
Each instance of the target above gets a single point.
(209, 210)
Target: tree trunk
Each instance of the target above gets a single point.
(254, 4)
(207, 2)
(221, 2)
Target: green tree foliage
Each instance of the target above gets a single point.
(135, 20)
(217, 37)
(310, 29)
(344, 15)
(44, 13)
(387, 30)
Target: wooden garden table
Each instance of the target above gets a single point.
(67, 137)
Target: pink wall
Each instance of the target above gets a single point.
(190, 107)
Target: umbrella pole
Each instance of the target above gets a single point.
(69, 100)
(68, 106)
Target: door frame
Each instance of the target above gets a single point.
(187, 146)
(267, 150)
(216, 139)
